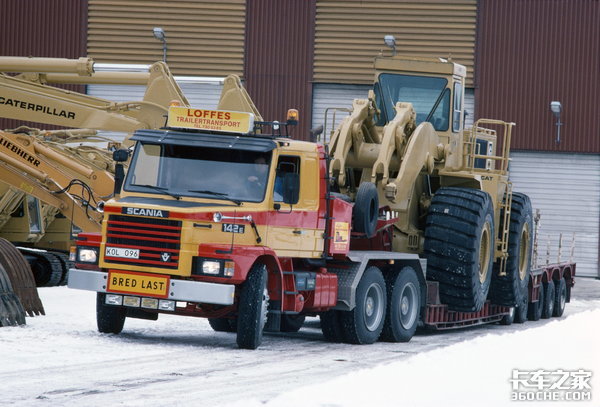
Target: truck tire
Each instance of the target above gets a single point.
(366, 209)
(507, 290)
(549, 298)
(253, 308)
(292, 323)
(331, 326)
(522, 308)
(222, 324)
(560, 298)
(364, 323)
(404, 303)
(535, 308)
(110, 319)
(459, 246)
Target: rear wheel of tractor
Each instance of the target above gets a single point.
(507, 290)
(292, 323)
(364, 323)
(549, 297)
(404, 303)
(535, 308)
(253, 308)
(560, 298)
(110, 319)
(222, 324)
(522, 307)
(459, 246)
(509, 318)
(366, 209)
(331, 326)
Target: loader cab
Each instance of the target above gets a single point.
(435, 87)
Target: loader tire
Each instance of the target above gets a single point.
(222, 324)
(459, 246)
(331, 326)
(253, 308)
(292, 323)
(560, 298)
(110, 319)
(522, 307)
(363, 324)
(549, 298)
(404, 305)
(507, 290)
(535, 309)
(366, 209)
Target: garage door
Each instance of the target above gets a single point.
(566, 189)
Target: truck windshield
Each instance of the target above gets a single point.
(429, 96)
(177, 171)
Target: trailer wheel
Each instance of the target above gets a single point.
(549, 297)
(222, 324)
(522, 307)
(331, 326)
(507, 290)
(364, 323)
(536, 308)
(253, 308)
(560, 298)
(510, 318)
(459, 246)
(404, 303)
(366, 209)
(110, 319)
(292, 323)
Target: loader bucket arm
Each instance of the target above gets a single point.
(234, 97)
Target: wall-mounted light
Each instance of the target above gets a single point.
(160, 35)
(390, 41)
(556, 108)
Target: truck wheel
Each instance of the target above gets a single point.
(253, 308)
(404, 303)
(222, 324)
(331, 326)
(110, 319)
(507, 290)
(510, 318)
(560, 298)
(292, 323)
(536, 308)
(522, 307)
(459, 246)
(366, 209)
(549, 298)
(364, 323)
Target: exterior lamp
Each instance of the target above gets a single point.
(160, 35)
(556, 108)
(390, 41)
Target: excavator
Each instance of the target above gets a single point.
(50, 188)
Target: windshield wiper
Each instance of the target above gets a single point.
(162, 189)
(219, 194)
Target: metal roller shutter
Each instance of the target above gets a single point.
(566, 189)
(204, 38)
(349, 34)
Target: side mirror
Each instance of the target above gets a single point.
(291, 188)
(121, 155)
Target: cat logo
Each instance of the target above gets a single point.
(164, 256)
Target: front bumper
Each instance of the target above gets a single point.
(179, 290)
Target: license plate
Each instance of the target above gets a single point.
(123, 253)
(231, 228)
(138, 283)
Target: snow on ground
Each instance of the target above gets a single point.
(61, 360)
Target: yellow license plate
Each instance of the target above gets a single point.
(138, 283)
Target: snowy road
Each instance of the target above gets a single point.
(61, 360)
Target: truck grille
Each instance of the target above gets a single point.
(157, 239)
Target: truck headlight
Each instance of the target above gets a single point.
(211, 267)
(87, 255)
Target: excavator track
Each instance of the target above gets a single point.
(66, 265)
(21, 278)
(48, 269)
(11, 309)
